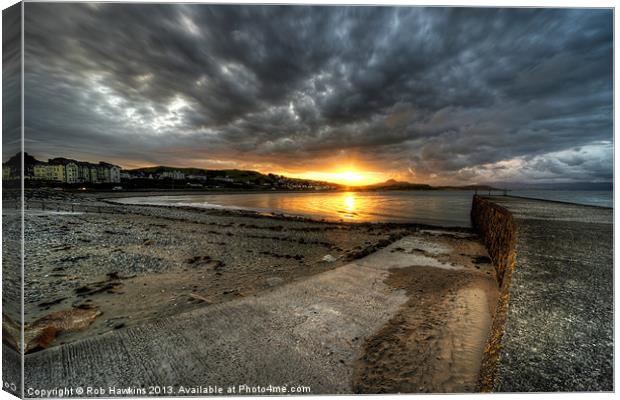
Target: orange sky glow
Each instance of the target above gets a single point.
(350, 177)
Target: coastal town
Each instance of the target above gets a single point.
(61, 170)
(67, 172)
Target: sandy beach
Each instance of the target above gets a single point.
(164, 261)
(105, 267)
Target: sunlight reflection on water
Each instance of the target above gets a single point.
(447, 208)
(433, 207)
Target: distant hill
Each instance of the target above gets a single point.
(15, 162)
(239, 176)
(393, 184)
(211, 173)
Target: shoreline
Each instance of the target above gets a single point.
(293, 217)
(89, 201)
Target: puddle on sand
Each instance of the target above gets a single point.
(410, 252)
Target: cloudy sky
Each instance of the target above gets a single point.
(437, 95)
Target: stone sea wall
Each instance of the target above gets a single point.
(496, 225)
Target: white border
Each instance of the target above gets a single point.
(472, 3)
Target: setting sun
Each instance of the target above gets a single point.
(349, 177)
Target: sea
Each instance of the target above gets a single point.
(433, 207)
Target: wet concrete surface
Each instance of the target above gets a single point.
(559, 329)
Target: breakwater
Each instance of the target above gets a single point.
(497, 228)
(553, 323)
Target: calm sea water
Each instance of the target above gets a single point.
(443, 208)
(603, 198)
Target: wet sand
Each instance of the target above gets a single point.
(434, 344)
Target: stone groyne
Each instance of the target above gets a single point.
(497, 228)
(553, 323)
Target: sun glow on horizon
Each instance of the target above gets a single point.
(349, 177)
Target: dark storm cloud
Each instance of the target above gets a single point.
(464, 94)
(11, 82)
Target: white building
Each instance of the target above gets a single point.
(71, 173)
(197, 177)
(93, 173)
(108, 173)
(84, 172)
(115, 174)
(176, 175)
